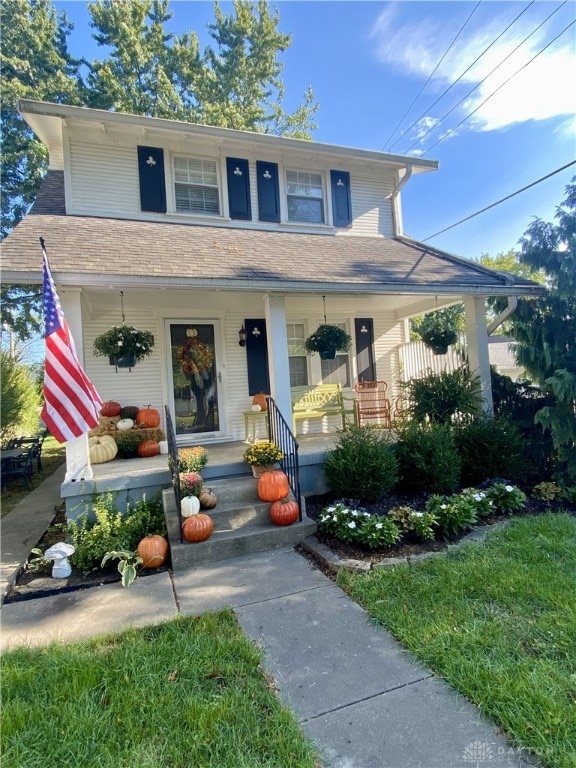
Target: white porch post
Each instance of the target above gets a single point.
(275, 310)
(78, 465)
(477, 335)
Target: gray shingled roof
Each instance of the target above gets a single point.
(84, 248)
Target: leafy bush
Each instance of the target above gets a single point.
(112, 530)
(427, 458)
(506, 499)
(355, 525)
(437, 397)
(488, 447)
(454, 514)
(362, 465)
(547, 492)
(20, 398)
(421, 524)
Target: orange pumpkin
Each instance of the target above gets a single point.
(261, 400)
(148, 448)
(273, 486)
(284, 512)
(197, 527)
(111, 408)
(153, 549)
(148, 417)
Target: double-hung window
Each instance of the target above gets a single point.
(305, 197)
(297, 358)
(196, 186)
(337, 371)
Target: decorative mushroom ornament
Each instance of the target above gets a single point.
(60, 553)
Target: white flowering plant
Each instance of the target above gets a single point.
(419, 523)
(355, 525)
(124, 340)
(507, 499)
(454, 514)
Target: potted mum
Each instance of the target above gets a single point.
(262, 457)
(124, 345)
(327, 340)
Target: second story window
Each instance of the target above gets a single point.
(305, 197)
(196, 186)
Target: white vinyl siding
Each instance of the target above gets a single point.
(305, 197)
(104, 179)
(196, 186)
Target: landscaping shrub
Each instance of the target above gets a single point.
(488, 447)
(354, 525)
(506, 498)
(420, 524)
(427, 458)
(112, 530)
(455, 514)
(437, 397)
(362, 465)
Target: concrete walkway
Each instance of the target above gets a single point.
(357, 693)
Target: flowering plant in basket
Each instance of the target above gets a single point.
(124, 341)
(263, 454)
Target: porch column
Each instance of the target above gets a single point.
(78, 465)
(477, 335)
(275, 309)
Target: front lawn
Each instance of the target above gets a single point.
(189, 692)
(498, 622)
(53, 456)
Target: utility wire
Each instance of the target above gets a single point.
(520, 44)
(445, 136)
(432, 73)
(477, 59)
(493, 205)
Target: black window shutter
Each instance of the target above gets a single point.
(341, 200)
(268, 191)
(152, 184)
(238, 176)
(364, 333)
(257, 357)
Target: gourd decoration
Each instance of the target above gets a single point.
(284, 512)
(111, 408)
(256, 408)
(153, 549)
(102, 449)
(148, 417)
(197, 528)
(148, 448)
(163, 447)
(124, 424)
(129, 412)
(189, 506)
(261, 400)
(208, 499)
(273, 486)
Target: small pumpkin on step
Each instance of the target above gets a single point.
(208, 498)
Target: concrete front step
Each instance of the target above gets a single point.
(238, 530)
(233, 490)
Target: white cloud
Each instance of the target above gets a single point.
(545, 88)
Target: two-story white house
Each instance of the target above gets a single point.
(225, 235)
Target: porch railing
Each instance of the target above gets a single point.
(281, 434)
(173, 463)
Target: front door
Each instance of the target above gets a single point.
(195, 378)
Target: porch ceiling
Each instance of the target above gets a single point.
(90, 252)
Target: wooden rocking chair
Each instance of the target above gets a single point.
(372, 403)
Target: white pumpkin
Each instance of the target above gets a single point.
(102, 449)
(190, 505)
(256, 408)
(163, 447)
(124, 424)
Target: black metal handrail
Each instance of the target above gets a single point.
(173, 463)
(281, 434)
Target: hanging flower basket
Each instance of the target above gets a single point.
(124, 345)
(327, 340)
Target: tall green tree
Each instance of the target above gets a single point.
(545, 328)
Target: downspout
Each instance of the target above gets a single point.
(511, 306)
(396, 213)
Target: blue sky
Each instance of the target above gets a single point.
(368, 61)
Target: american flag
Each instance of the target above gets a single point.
(71, 402)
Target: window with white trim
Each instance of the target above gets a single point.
(196, 186)
(305, 197)
(297, 357)
(337, 371)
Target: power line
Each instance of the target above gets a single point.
(432, 73)
(520, 44)
(494, 92)
(476, 60)
(493, 205)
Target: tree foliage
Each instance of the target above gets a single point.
(545, 328)
(20, 398)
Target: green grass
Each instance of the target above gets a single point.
(498, 621)
(189, 692)
(53, 456)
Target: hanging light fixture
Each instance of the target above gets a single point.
(242, 336)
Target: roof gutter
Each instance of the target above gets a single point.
(396, 210)
(510, 307)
